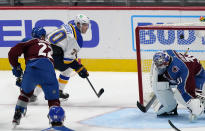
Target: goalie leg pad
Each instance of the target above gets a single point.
(203, 89)
(179, 98)
(161, 86)
(165, 96)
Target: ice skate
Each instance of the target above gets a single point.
(171, 113)
(63, 96)
(19, 113)
(33, 98)
(17, 117)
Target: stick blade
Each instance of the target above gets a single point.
(100, 92)
(173, 126)
(141, 107)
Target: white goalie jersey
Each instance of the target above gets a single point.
(69, 38)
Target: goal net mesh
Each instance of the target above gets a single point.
(153, 38)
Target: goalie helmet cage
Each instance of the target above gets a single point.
(178, 37)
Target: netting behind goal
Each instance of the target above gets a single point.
(153, 38)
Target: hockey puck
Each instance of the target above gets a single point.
(181, 36)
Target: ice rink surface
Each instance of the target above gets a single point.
(115, 110)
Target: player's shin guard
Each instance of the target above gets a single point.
(63, 80)
(21, 107)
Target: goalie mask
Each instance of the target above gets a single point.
(82, 22)
(161, 60)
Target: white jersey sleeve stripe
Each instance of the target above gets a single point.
(74, 32)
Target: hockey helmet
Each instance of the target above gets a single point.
(56, 114)
(161, 59)
(81, 19)
(38, 32)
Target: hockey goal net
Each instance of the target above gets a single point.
(153, 38)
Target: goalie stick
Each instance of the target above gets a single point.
(99, 93)
(173, 126)
(149, 104)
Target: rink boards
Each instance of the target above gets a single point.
(109, 44)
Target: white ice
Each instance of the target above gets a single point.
(121, 92)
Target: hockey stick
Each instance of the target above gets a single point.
(149, 104)
(99, 93)
(173, 126)
(186, 51)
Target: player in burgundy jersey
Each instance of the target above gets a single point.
(39, 70)
(186, 73)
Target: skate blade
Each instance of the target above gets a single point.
(14, 124)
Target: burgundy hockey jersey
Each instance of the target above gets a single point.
(32, 49)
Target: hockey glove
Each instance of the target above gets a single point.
(82, 72)
(17, 71)
(19, 81)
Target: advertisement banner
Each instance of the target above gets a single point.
(111, 34)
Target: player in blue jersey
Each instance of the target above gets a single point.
(184, 72)
(66, 43)
(39, 70)
(56, 118)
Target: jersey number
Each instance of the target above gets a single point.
(57, 37)
(42, 50)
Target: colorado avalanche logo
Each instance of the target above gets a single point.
(175, 69)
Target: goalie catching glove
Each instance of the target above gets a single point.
(82, 72)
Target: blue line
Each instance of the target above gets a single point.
(160, 16)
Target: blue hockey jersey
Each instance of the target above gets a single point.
(187, 72)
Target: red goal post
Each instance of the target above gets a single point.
(179, 37)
